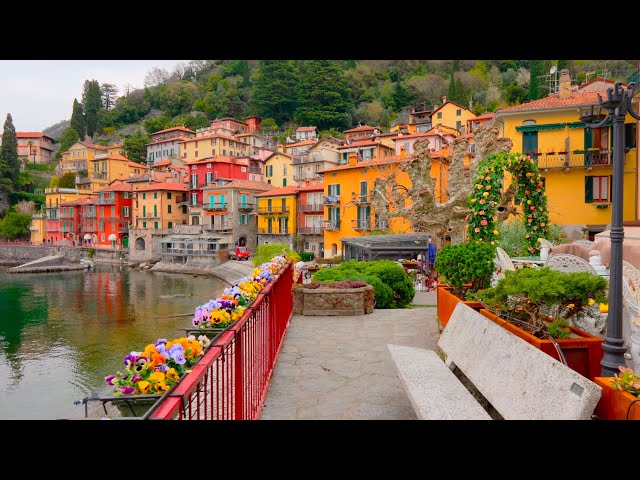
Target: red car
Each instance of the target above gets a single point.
(240, 253)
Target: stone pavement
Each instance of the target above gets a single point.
(425, 298)
(340, 367)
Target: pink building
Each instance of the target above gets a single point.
(438, 139)
(36, 147)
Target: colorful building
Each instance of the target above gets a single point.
(365, 150)
(347, 197)
(278, 169)
(438, 139)
(255, 143)
(324, 154)
(77, 157)
(105, 168)
(53, 198)
(34, 147)
(306, 133)
(38, 228)
(230, 124)
(576, 163)
(230, 211)
(207, 145)
(253, 123)
(451, 115)
(165, 144)
(160, 206)
(360, 132)
(419, 121)
(310, 221)
(299, 148)
(88, 221)
(476, 122)
(277, 213)
(114, 209)
(70, 223)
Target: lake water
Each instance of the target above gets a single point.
(62, 333)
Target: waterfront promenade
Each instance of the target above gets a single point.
(337, 368)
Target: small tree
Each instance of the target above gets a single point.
(134, 146)
(15, 225)
(68, 180)
(53, 183)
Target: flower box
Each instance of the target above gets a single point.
(583, 354)
(333, 301)
(447, 302)
(616, 404)
(134, 407)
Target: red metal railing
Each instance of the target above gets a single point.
(231, 380)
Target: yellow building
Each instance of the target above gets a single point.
(77, 157)
(451, 115)
(38, 232)
(105, 168)
(156, 206)
(576, 163)
(205, 146)
(347, 201)
(277, 215)
(278, 170)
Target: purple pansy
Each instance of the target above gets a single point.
(126, 390)
(109, 379)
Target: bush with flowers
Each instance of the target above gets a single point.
(230, 307)
(487, 195)
(158, 367)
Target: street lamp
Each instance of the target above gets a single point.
(617, 105)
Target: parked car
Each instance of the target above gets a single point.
(240, 253)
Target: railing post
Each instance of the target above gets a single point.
(239, 374)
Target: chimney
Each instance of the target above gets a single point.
(353, 159)
(564, 88)
(306, 183)
(444, 99)
(403, 152)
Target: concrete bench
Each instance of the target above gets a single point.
(518, 380)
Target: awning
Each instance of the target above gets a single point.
(553, 126)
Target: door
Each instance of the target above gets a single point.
(269, 225)
(363, 191)
(530, 143)
(125, 242)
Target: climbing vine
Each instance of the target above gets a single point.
(487, 196)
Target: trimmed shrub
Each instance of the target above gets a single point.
(265, 253)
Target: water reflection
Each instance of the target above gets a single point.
(61, 333)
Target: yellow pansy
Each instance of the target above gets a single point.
(143, 386)
(157, 377)
(172, 375)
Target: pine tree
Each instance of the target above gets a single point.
(461, 93)
(92, 101)
(9, 163)
(452, 89)
(534, 83)
(274, 92)
(78, 122)
(456, 66)
(324, 97)
(109, 93)
(563, 64)
(401, 96)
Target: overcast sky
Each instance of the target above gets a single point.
(39, 93)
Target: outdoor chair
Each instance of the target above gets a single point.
(583, 243)
(545, 243)
(504, 263)
(569, 263)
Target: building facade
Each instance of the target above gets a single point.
(165, 144)
(160, 206)
(306, 133)
(278, 170)
(34, 147)
(114, 212)
(277, 214)
(310, 220)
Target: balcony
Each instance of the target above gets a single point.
(575, 159)
(361, 225)
(361, 199)
(88, 229)
(100, 176)
(220, 227)
(124, 228)
(91, 214)
(273, 209)
(311, 230)
(273, 231)
(306, 176)
(245, 207)
(106, 200)
(331, 200)
(332, 225)
(215, 207)
(381, 225)
(66, 216)
(182, 200)
(311, 208)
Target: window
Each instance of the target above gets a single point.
(284, 182)
(102, 237)
(194, 199)
(243, 169)
(144, 196)
(155, 210)
(439, 115)
(284, 169)
(144, 210)
(334, 190)
(170, 225)
(458, 112)
(241, 220)
(213, 141)
(155, 225)
(209, 178)
(126, 194)
(144, 224)
(194, 181)
(458, 124)
(102, 211)
(196, 153)
(169, 208)
(195, 167)
(596, 189)
(126, 211)
(169, 195)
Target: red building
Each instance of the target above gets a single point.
(252, 124)
(113, 215)
(69, 222)
(231, 124)
(206, 171)
(88, 221)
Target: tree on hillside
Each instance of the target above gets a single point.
(401, 96)
(324, 99)
(15, 225)
(9, 163)
(134, 146)
(535, 92)
(67, 139)
(78, 121)
(274, 90)
(109, 94)
(461, 96)
(451, 94)
(68, 180)
(53, 183)
(155, 124)
(92, 101)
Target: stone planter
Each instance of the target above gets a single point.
(447, 302)
(583, 354)
(333, 301)
(616, 404)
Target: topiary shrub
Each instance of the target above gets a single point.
(265, 253)
(466, 263)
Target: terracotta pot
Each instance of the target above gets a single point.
(583, 354)
(447, 302)
(614, 404)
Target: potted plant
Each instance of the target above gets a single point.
(620, 396)
(463, 269)
(345, 297)
(537, 303)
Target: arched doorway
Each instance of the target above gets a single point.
(242, 242)
(334, 249)
(140, 243)
(125, 242)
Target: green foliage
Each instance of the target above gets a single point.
(626, 381)
(488, 194)
(15, 225)
(466, 263)
(25, 180)
(264, 253)
(392, 286)
(274, 89)
(91, 252)
(535, 88)
(67, 180)
(54, 182)
(559, 328)
(538, 294)
(155, 124)
(41, 167)
(9, 162)
(135, 146)
(38, 200)
(68, 137)
(92, 103)
(512, 240)
(78, 120)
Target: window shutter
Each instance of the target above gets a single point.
(630, 135)
(588, 138)
(610, 188)
(588, 189)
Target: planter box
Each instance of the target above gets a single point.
(447, 302)
(134, 407)
(583, 354)
(614, 404)
(333, 301)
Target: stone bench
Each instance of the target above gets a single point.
(516, 379)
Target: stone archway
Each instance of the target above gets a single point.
(242, 242)
(140, 244)
(334, 249)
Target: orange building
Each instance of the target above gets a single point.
(114, 214)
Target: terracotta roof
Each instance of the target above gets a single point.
(484, 116)
(288, 190)
(313, 187)
(220, 159)
(79, 201)
(300, 144)
(182, 129)
(275, 153)
(599, 79)
(137, 165)
(248, 184)
(91, 145)
(228, 118)
(167, 140)
(117, 186)
(306, 129)
(161, 164)
(553, 101)
(360, 143)
(383, 161)
(32, 135)
(363, 128)
(418, 135)
(164, 186)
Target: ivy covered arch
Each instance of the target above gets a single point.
(487, 196)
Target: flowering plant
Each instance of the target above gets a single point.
(158, 367)
(230, 307)
(626, 381)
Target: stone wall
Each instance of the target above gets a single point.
(20, 253)
(152, 250)
(333, 301)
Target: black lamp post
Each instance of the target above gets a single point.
(617, 105)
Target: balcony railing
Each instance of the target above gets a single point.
(245, 207)
(215, 207)
(361, 199)
(89, 228)
(575, 159)
(311, 230)
(306, 176)
(331, 200)
(106, 200)
(66, 216)
(332, 225)
(91, 214)
(221, 227)
(100, 176)
(312, 208)
(273, 231)
(381, 225)
(273, 209)
(362, 224)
